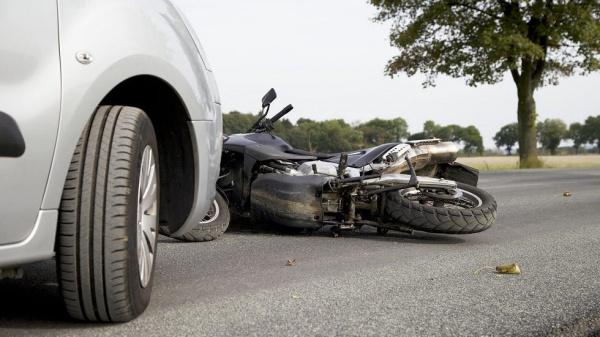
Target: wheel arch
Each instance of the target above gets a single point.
(170, 119)
(145, 44)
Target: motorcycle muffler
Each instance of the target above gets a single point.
(421, 154)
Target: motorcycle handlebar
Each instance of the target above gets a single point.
(282, 113)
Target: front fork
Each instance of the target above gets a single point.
(352, 221)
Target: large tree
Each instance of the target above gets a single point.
(537, 41)
(507, 136)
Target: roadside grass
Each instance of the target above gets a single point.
(512, 162)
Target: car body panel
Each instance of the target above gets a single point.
(124, 43)
(36, 247)
(123, 39)
(30, 94)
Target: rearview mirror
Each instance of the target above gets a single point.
(269, 97)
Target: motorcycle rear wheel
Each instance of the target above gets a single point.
(214, 224)
(473, 211)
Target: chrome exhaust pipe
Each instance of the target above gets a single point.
(421, 154)
(444, 152)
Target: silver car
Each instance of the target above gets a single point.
(110, 126)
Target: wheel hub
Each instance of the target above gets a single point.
(147, 222)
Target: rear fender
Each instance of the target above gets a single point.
(458, 172)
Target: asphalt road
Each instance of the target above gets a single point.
(363, 284)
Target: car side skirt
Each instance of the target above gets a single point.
(38, 246)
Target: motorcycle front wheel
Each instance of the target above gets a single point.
(469, 210)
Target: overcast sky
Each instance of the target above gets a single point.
(327, 58)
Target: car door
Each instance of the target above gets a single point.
(30, 105)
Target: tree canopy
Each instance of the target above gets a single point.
(237, 122)
(507, 137)
(591, 130)
(536, 41)
(551, 132)
(325, 136)
(337, 135)
(379, 131)
(576, 134)
(469, 136)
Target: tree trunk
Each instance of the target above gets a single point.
(527, 135)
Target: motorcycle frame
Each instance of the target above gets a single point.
(241, 169)
(261, 176)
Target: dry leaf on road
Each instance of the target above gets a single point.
(512, 268)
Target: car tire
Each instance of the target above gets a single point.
(108, 219)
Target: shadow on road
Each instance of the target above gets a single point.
(34, 303)
(249, 227)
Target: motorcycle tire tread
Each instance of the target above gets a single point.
(443, 220)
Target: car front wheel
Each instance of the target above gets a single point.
(108, 223)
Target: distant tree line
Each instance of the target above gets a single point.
(468, 136)
(550, 132)
(337, 135)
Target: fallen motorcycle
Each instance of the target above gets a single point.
(415, 185)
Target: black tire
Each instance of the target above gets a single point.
(211, 227)
(101, 217)
(438, 219)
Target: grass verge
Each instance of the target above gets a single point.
(512, 162)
